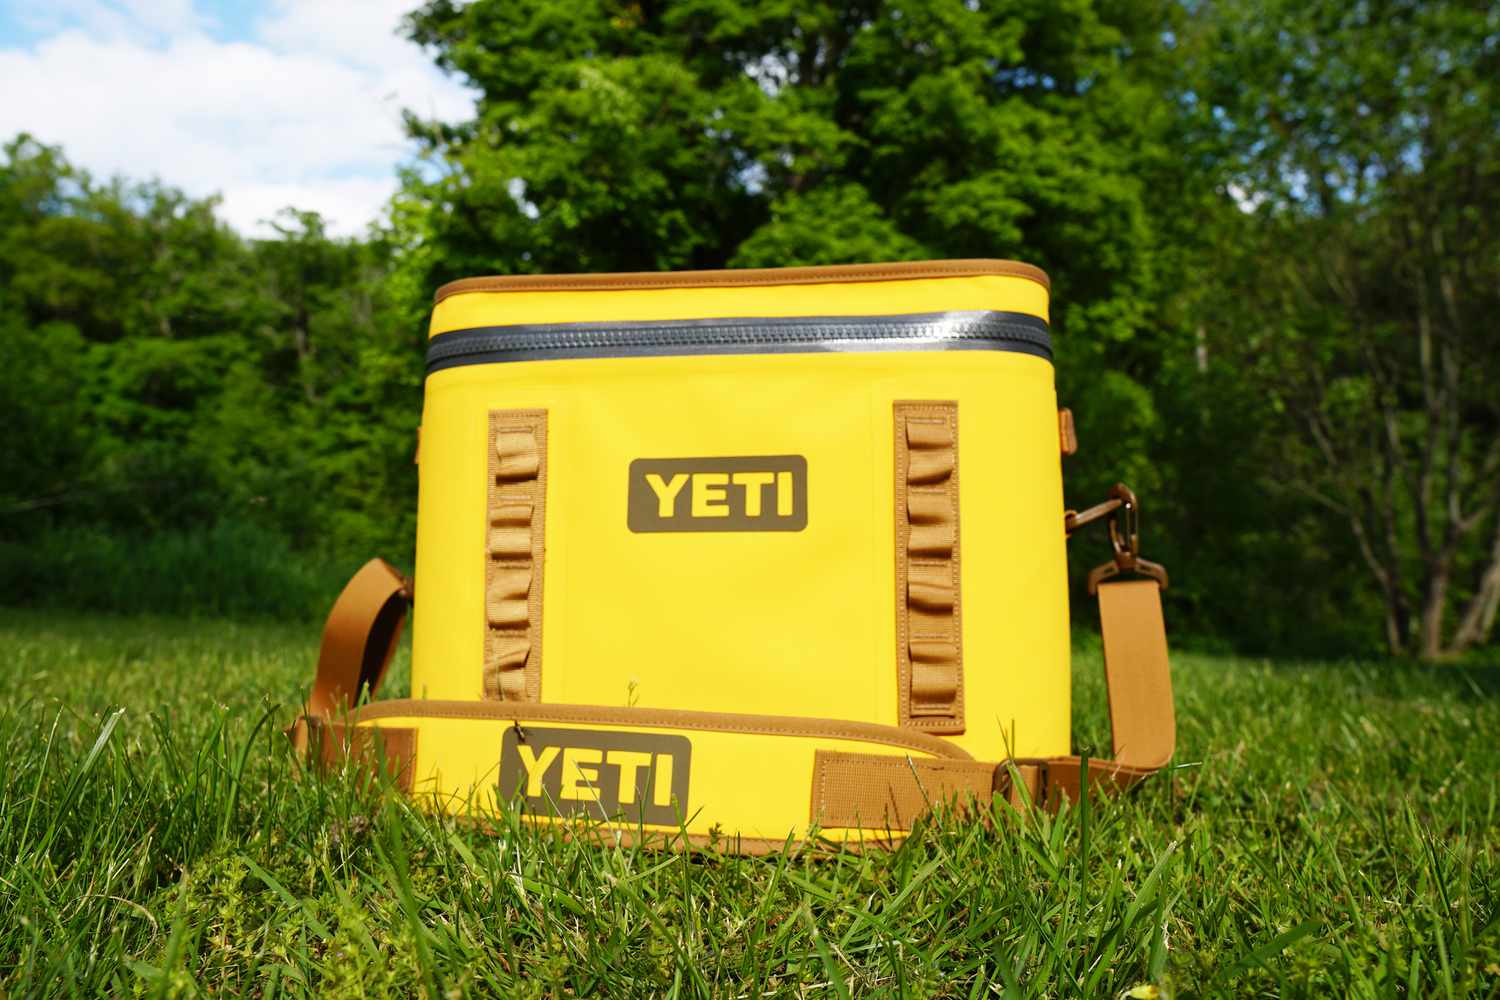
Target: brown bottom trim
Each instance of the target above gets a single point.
(661, 718)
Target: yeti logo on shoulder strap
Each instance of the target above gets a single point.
(743, 493)
(633, 776)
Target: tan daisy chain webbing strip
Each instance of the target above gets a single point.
(513, 559)
(929, 635)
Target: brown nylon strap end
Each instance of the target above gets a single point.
(1138, 674)
(1052, 780)
(889, 791)
(359, 637)
(325, 745)
(298, 734)
(1142, 720)
(1020, 781)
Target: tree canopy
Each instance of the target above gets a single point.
(160, 373)
(1271, 232)
(1365, 140)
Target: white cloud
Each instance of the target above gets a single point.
(357, 198)
(306, 110)
(361, 32)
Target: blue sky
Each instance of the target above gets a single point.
(23, 24)
(267, 103)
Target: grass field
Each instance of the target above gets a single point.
(1332, 829)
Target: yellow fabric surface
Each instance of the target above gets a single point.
(752, 785)
(792, 623)
(869, 298)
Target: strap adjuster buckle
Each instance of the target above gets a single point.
(1121, 513)
(1009, 769)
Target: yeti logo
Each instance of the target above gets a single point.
(633, 776)
(754, 493)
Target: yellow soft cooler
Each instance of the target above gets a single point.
(743, 555)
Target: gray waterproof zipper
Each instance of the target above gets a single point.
(948, 331)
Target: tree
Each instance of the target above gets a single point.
(160, 373)
(711, 133)
(1364, 145)
(614, 135)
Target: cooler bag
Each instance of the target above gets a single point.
(748, 556)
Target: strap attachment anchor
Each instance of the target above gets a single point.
(1121, 513)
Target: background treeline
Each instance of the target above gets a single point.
(194, 422)
(1271, 228)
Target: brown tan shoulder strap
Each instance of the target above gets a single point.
(359, 637)
(1138, 680)
(1142, 721)
(874, 790)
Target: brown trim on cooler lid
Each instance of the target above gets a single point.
(824, 275)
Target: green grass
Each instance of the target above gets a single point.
(230, 569)
(1332, 830)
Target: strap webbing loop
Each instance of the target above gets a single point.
(1138, 679)
(848, 789)
(875, 790)
(360, 637)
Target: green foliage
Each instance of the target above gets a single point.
(226, 569)
(158, 841)
(865, 132)
(829, 225)
(41, 410)
(712, 132)
(1359, 299)
(160, 376)
(1271, 234)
